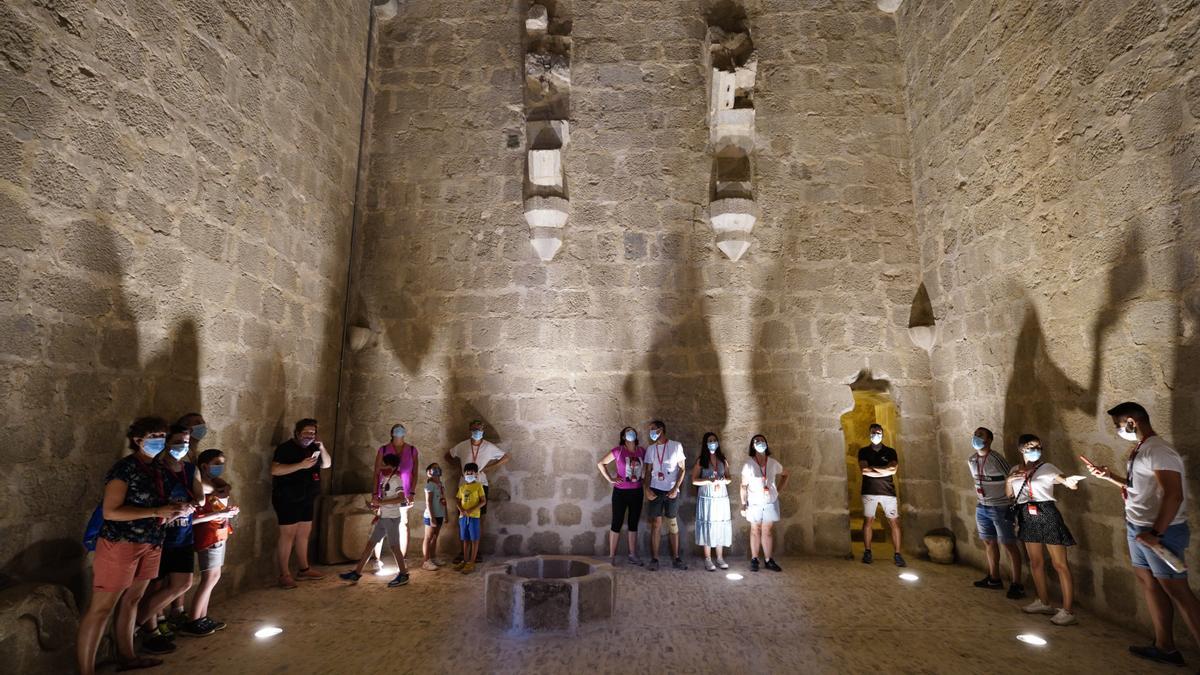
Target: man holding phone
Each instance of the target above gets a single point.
(1155, 516)
(295, 484)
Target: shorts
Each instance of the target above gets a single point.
(290, 511)
(626, 508)
(178, 560)
(763, 513)
(438, 520)
(662, 506)
(119, 563)
(387, 527)
(872, 502)
(1175, 539)
(211, 558)
(993, 524)
(468, 528)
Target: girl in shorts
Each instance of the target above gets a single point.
(435, 516)
(210, 529)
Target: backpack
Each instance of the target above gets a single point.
(92, 532)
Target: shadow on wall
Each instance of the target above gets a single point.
(1039, 393)
(104, 386)
(680, 378)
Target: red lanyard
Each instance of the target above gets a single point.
(1029, 479)
(716, 469)
(763, 469)
(982, 463)
(662, 454)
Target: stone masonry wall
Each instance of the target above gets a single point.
(1055, 166)
(176, 183)
(638, 316)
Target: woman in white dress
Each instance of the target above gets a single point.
(714, 527)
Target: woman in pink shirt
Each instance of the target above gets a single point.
(627, 490)
(407, 471)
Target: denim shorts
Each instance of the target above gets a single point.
(993, 524)
(468, 528)
(1175, 539)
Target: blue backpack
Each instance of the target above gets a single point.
(92, 532)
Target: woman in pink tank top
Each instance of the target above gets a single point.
(627, 490)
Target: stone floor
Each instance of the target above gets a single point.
(821, 615)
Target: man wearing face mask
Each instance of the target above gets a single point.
(878, 463)
(662, 479)
(484, 454)
(1156, 503)
(989, 470)
(295, 483)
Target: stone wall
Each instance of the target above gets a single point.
(176, 183)
(1055, 155)
(638, 316)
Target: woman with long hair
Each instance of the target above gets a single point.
(714, 529)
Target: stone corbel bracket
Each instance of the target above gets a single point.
(547, 130)
(732, 66)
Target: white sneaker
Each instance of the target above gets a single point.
(375, 565)
(1038, 607)
(428, 565)
(1064, 618)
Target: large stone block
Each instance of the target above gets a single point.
(38, 625)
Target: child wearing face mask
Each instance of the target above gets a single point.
(714, 526)
(1041, 526)
(211, 529)
(435, 516)
(390, 502)
(471, 500)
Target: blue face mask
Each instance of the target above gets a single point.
(216, 470)
(1032, 455)
(977, 442)
(654, 434)
(760, 446)
(630, 437)
(153, 446)
(179, 451)
(398, 432)
(477, 435)
(199, 430)
(712, 446)
(435, 472)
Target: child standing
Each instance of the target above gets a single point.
(471, 500)
(435, 516)
(211, 529)
(390, 500)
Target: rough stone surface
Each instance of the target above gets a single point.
(1054, 173)
(38, 623)
(639, 316)
(176, 193)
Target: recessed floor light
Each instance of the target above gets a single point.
(268, 631)
(1030, 638)
(734, 576)
(387, 571)
(909, 576)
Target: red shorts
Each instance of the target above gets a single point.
(119, 563)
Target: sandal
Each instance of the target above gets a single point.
(138, 663)
(286, 581)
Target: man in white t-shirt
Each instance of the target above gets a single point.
(1156, 498)
(481, 452)
(662, 479)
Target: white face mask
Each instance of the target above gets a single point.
(469, 479)
(1127, 434)
(876, 438)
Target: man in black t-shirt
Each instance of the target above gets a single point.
(295, 484)
(878, 463)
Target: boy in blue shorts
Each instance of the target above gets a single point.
(471, 500)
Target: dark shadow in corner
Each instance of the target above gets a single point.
(1039, 393)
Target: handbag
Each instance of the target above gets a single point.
(1011, 512)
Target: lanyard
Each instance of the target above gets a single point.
(475, 454)
(763, 469)
(383, 483)
(981, 466)
(1029, 481)
(716, 469)
(661, 454)
(156, 474)
(1129, 466)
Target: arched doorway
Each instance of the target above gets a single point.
(872, 405)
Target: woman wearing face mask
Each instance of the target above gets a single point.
(762, 479)
(627, 491)
(211, 529)
(1041, 526)
(295, 483)
(128, 548)
(407, 472)
(714, 528)
(178, 558)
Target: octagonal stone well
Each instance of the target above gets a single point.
(549, 593)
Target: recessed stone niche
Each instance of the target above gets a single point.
(549, 593)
